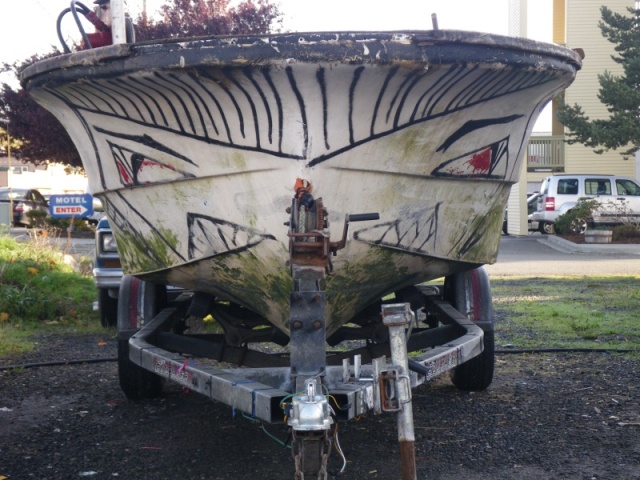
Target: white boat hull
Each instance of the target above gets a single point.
(195, 148)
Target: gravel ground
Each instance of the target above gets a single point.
(546, 416)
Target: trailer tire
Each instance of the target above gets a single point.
(139, 302)
(470, 293)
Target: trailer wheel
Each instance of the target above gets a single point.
(470, 293)
(138, 303)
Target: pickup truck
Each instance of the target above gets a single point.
(107, 273)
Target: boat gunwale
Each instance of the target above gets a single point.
(447, 46)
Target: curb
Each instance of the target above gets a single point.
(563, 245)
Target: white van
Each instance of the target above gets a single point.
(619, 197)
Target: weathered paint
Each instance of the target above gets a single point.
(195, 147)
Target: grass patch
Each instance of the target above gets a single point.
(588, 312)
(38, 290)
(40, 293)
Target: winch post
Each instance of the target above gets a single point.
(396, 318)
(118, 26)
(307, 313)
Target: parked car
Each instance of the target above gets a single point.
(24, 200)
(618, 196)
(107, 273)
(531, 206)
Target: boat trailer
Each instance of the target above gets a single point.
(309, 388)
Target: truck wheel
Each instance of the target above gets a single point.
(470, 293)
(138, 303)
(107, 308)
(547, 227)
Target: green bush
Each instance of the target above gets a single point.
(36, 285)
(578, 218)
(37, 218)
(625, 232)
(62, 224)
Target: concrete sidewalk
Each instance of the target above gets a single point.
(594, 248)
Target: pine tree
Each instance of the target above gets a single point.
(620, 93)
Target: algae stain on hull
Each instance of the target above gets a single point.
(147, 254)
(240, 278)
(356, 287)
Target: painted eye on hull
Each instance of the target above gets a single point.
(491, 161)
(141, 165)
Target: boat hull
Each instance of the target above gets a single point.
(195, 147)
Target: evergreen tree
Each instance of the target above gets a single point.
(620, 93)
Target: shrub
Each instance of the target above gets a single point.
(37, 218)
(578, 218)
(61, 225)
(37, 285)
(625, 232)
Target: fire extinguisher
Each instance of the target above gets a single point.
(102, 36)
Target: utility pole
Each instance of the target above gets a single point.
(6, 121)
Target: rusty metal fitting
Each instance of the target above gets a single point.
(397, 315)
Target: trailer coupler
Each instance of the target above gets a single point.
(310, 421)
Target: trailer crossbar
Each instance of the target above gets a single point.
(259, 392)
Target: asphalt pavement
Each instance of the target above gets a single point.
(548, 255)
(533, 255)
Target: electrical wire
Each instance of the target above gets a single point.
(337, 446)
(269, 434)
(273, 437)
(84, 10)
(58, 363)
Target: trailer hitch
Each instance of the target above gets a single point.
(310, 421)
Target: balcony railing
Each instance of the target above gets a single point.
(545, 154)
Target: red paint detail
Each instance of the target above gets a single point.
(152, 163)
(476, 292)
(134, 287)
(481, 162)
(126, 178)
(99, 39)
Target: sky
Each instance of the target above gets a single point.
(29, 26)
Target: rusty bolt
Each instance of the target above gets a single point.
(317, 325)
(297, 325)
(288, 210)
